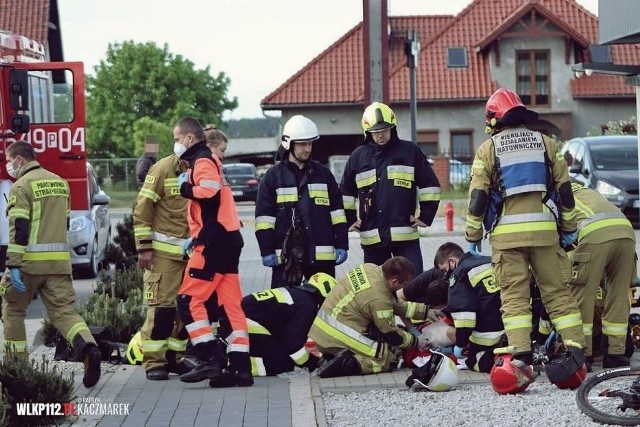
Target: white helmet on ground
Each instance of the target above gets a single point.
(298, 128)
(438, 374)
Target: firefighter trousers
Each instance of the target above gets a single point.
(212, 272)
(58, 297)
(551, 268)
(411, 250)
(368, 364)
(616, 260)
(307, 270)
(164, 338)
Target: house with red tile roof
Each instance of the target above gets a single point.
(525, 45)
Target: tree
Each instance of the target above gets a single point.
(142, 80)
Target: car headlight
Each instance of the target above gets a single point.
(77, 224)
(607, 189)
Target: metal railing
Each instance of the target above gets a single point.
(116, 174)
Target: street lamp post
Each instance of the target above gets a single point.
(412, 50)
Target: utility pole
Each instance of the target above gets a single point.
(375, 48)
(412, 50)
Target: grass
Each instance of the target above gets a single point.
(121, 199)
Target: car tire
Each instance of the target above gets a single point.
(92, 269)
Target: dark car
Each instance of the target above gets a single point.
(244, 181)
(608, 164)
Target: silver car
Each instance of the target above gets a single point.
(90, 231)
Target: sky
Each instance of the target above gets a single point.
(258, 44)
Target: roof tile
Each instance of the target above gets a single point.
(26, 18)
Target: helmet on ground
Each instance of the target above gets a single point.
(298, 128)
(134, 350)
(505, 107)
(377, 117)
(323, 283)
(438, 374)
(509, 376)
(566, 367)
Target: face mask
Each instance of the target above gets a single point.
(179, 149)
(13, 173)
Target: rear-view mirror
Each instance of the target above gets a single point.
(19, 89)
(101, 199)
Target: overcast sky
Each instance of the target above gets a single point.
(259, 44)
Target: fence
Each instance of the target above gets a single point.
(116, 174)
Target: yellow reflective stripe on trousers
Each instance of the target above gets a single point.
(402, 234)
(346, 335)
(517, 322)
(587, 329)
(486, 339)
(257, 367)
(567, 321)
(16, 346)
(153, 345)
(75, 330)
(176, 344)
(614, 329)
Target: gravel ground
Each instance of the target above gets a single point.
(468, 405)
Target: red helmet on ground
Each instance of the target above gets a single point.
(574, 380)
(500, 103)
(510, 376)
(566, 367)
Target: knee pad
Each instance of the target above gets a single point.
(163, 321)
(184, 313)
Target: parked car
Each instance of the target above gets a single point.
(244, 180)
(90, 231)
(608, 164)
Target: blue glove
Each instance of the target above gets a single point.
(270, 260)
(457, 351)
(414, 331)
(187, 246)
(341, 256)
(569, 239)
(182, 178)
(475, 247)
(16, 280)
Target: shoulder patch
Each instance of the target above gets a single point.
(150, 179)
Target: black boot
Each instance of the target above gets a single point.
(91, 358)
(211, 359)
(342, 365)
(238, 374)
(157, 374)
(312, 363)
(614, 361)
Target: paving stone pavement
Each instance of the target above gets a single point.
(289, 400)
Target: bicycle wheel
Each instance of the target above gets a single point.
(608, 398)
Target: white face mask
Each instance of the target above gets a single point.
(13, 173)
(179, 149)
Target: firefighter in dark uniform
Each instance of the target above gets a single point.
(300, 191)
(38, 259)
(520, 190)
(279, 320)
(606, 247)
(474, 303)
(385, 175)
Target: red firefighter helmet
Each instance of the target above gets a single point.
(500, 103)
(574, 380)
(510, 376)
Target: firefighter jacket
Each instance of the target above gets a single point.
(160, 214)
(314, 194)
(38, 211)
(213, 218)
(385, 181)
(598, 219)
(474, 302)
(286, 314)
(358, 301)
(524, 212)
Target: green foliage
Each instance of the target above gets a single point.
(138, 80)
(147, 126)
(120, 285)
(27, 381)
(252, 128)
(122, 252)
(616, 127)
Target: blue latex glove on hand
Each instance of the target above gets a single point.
(270, 260)
(182, 178)
(569, 239)
(187, 246)
(341, 256)
(414, 331)
(457, 351)
(475, 247)
(16, 280)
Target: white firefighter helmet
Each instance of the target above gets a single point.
(438, 374)
(298, 128)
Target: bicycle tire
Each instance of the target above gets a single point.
(608, 417)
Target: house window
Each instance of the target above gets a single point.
(457, 57)
(428, 142)
(461, 144)
(533, 77)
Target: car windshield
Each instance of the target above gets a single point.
(615, 157)
(239, 170)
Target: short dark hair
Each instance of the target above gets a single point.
(21, 148)
(398, 267)
(446, 251)
(437, 292)
(191, 125)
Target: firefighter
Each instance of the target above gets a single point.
(279, 321)
(38, 259)
(474, 303)
(355, 326)
(212, 270)
(520, 191)
(384, 175)
(606, 247)
(299, 192)
(160, 228)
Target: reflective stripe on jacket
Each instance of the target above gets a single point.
(598, 219)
